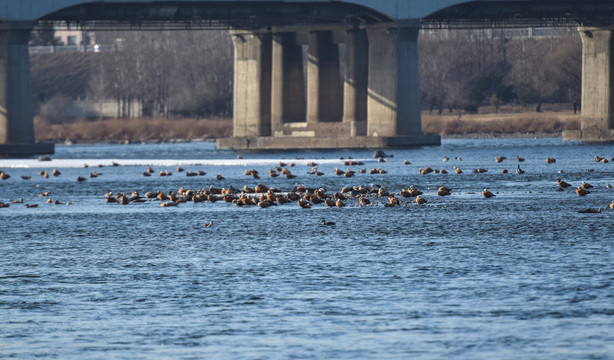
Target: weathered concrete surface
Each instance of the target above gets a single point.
(252, 84)
(287, 90)
(355, 81)
(350, 142)
(593, 135)
(324, 100)
(393, 106)
(597, 85)
(16, 125)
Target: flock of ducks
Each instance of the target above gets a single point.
(263, 196)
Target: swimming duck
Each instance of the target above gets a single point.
(266, 203)
(550, 160)
(405, 162)
(363, 201)
(329, 202)
(443, 191)
(562, 183)
(31, 205)
(303, 204)
(56, 172)
(500, 159)
(207, 225)
(504, 171)
(612, 205)
(339, 203)
(420, 200)
(79, 178)
(326, 223)
(519, 159)
(24, 177)
(487, 194)
(393, 200)
(586, 185)
(219, 177)
(519, 171)
(289, 175)
(582, 192)
(589, 211)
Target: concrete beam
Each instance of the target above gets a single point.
(252, 84)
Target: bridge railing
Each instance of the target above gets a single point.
(51, 49)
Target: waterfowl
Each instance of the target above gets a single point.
(420, 200)
(414, 192)
(261, 188)
(458, 171)
(114, 163)
(18, 201)
(329, 202)
(519, 159)
(582, 192)
(145, 173)
(404, 193)
(190, 173)
(500, 159)
(338, 196)
(46, 193)
(487, 194)
(124, 200)
(504, 171)
(149, 169)
(586, 185)
(338, 172)
(79, 178)
(405, 162)
(207, 225)
(562, 183)
(266, 203)
(169, 204)
(179, 169)
(363, 201)
(200, 173)
(339, 203)
(443, 191)
(519, 171)
(608, 186)
(550, 160)
(445, 159)
(24, 177)
(303, 204)
(45, 175)
(326, 223)
(443, 171)
(312, 164)
(289, 175)
(382, 192)
(292, 196)
(219, 177)
(85, 165)
(589, 211)
(4, 205)
(4, 176)
(393, 200)
(31, 205)
(612, 205)
(56, 172)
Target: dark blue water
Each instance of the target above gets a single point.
(521, 275)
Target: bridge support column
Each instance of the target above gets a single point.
(16, 113)
(252, 84)
(287, 87)
(324, 101)
(355, 82)
(393, 107)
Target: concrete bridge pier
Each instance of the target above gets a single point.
(287, 88)
(394, 90)
(16, 113)
(355, 81)
(252, 84)
(375, 104)
(597, 123)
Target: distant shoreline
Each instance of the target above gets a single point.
(508, 124)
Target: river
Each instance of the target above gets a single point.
(519, 275)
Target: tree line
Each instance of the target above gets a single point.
(190, 73)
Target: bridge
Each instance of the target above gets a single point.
(374, 103)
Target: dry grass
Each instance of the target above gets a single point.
(502, 123)
(143, 129)
(136, 129)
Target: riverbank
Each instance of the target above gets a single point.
(449, 125)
